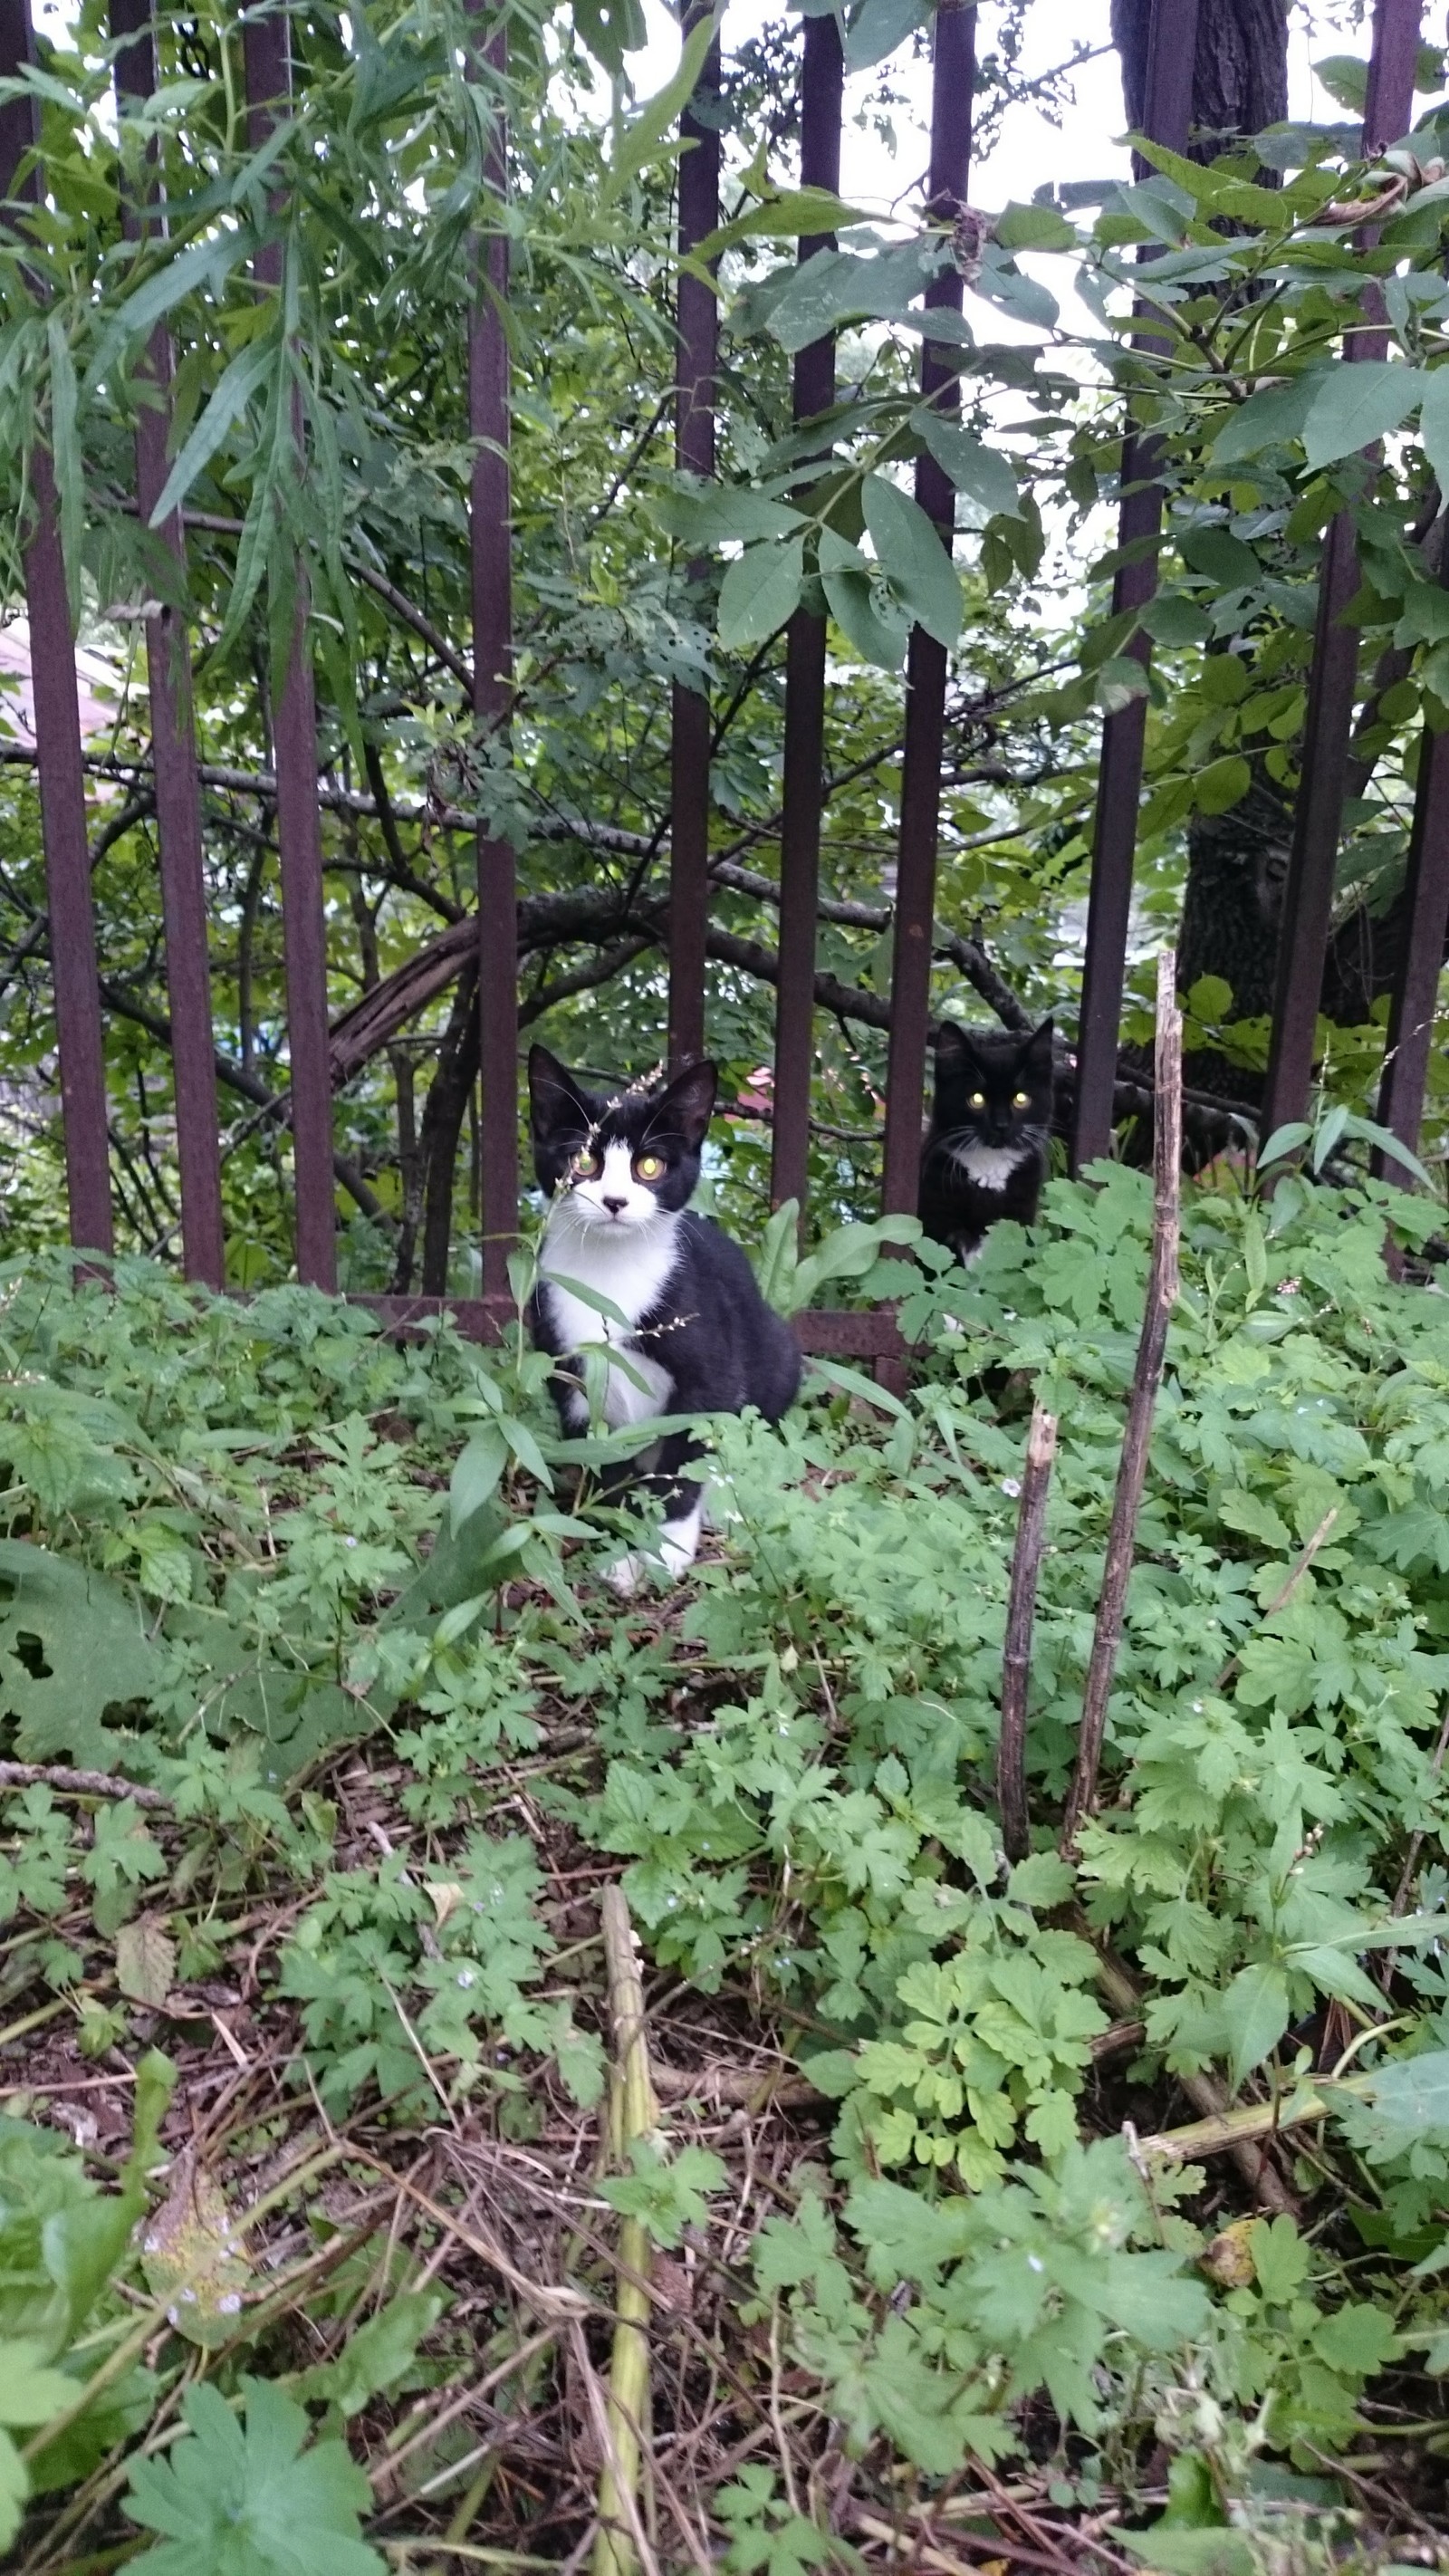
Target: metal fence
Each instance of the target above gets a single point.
(77, 985)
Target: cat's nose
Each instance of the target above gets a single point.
(616, 1207)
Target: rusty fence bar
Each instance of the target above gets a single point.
(697, 323)
(173, 748)
(491, 537)
(1333, 680)
(74, 968)
(952, 83)
(267, 56)
(1416, 983)
(821, 85)
(1166, 118)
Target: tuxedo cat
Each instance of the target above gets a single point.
(620, 1168)
(985, 1150)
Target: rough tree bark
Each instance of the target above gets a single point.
(1237, 862)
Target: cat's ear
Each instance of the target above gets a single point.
(686, 1106)
(1039, 1046)
(555, 1099)
(953, 1047)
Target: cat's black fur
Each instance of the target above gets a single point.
(703, 1330)
(985, 1150)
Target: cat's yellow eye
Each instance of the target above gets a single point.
(648, 1167)
(978, 1099)
(1021, 1100)
(584, 1163)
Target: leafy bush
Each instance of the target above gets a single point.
(234, 1552)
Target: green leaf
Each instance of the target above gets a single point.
(778, 1257)
(230, 2501)
(611, 29)
(1434, 422)
(14, 2490)
(982, 473)
(650, 133)
(30, 2393)
(1254, 2016)
(377, 2356)
(1268, 419)
(707, 515)
(792, 214)
(95, 1655)
(249, 369)
(1359, 402)
(69, 464)
(878, 630)
(668, 2195)
(1190, 2553)
(1284, 1140)
(1220, 556)
(1223, 784)
(1034, 228)
(476, 1475)
(877, 27)
(1345, 77)
(206, 264)
(915, 562)
(760, 593)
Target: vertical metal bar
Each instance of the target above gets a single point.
(952, 82)
(821, 84)
(698, 329)
(62, 779)
(1416, 986)
(267, 57)
(1167, 116)
(1333, 680)
(173, 748)
(491, 532)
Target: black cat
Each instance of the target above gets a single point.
(985, 1150)
(620, 1168)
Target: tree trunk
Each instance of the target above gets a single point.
(443, 1116)
(1237, 862)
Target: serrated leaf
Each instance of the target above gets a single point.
(145, 1961)
(377, 2356)
(253, 2498)
(30, 2393)
(1360, 402)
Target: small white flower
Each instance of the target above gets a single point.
(465, 1977)
(1010, 1485)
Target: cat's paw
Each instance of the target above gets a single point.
(626, 1575)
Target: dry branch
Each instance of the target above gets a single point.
(1147, 1377)
(79, 1784)
(1041, 1449)
(632, 2114)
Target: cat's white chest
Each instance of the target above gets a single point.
(631, 1266)
(990, 1166)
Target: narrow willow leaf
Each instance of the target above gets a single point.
(234, 391)
(66, 457)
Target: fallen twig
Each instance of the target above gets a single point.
(632, 2114)
(1041, 1449)
(1147, 1377)
(79, 1784)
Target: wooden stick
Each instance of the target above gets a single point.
(79, 1784)
(1041, 1449)
(632, 2114)
(1147, 1377)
